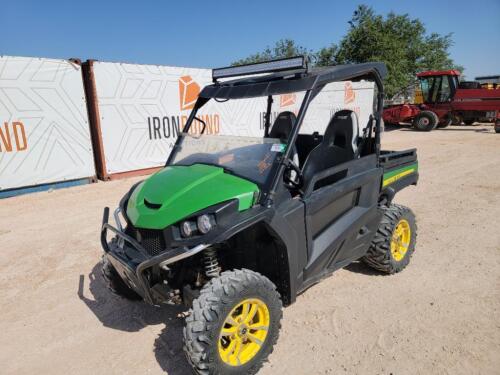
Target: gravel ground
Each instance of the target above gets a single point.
(439, 316)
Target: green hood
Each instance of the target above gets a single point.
(178, 191)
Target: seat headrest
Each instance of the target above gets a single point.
(282, 126)
(343, 130)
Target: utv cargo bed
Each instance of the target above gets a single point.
(400, 170)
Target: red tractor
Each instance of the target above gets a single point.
(441, 100)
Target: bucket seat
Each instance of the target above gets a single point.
(339, 144)
(281, 129)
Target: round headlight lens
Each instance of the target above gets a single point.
(187, 228)
(204, 224)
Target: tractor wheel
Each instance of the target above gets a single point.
(447, 121)
(425, 121)
(497, 126)
(114, 282)
(456, 119)
(394, 242)
(233, 325)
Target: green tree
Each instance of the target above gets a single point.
(326, 56)
(396, 39)
(399, 41)
(282, 48)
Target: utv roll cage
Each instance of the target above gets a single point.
(285, 76)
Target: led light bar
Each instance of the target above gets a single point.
(291, 63)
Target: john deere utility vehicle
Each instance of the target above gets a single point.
(236, 226)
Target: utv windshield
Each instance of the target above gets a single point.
(231, 134)
(248, 157)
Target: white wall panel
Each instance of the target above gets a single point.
(143, 107)
(44, 130)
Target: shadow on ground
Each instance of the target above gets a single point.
(459, 128)
(468, 128)
(359, 267)
(392, 127)
(132, 316)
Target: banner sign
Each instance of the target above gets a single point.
(142, 109)
(355, 96)
(335, 96)
(44, 130)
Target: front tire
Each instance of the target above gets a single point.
(114, 282)
(233, 325)
(425, 121)
(497, 126)
(394, 242)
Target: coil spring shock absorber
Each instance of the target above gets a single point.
(211, 263)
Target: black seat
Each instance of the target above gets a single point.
(339, 145)
(282, 126)
(281, 129)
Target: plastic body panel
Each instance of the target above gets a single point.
(179, 191)
(341, 218)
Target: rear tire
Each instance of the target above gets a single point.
(219, 334)
(425, 121)
(386, 250)
(114, 282)
(497, 126)
(456, 120)
(447, 121)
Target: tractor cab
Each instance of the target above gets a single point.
(436, 86)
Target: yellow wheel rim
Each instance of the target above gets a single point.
(244, 332)
(400, 240)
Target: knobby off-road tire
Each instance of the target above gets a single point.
(425, 121)
(206, 338)
(114, 282)
(382, 254)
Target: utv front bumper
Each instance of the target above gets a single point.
(132, 261)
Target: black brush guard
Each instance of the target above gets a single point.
(131, 260)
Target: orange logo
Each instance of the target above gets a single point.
(188, 92)
(16, 133)
(287, 99)
(349, 93)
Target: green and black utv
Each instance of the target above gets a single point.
(236, 226)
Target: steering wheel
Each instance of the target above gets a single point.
(293, 182)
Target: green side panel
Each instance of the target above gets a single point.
(400, 170)
(395, 174)
(180, 191)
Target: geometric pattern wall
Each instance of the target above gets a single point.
(143, 107)
(44, 129)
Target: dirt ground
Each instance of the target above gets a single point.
(441, 315)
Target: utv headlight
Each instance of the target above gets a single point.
(205, 223)
(187, 228)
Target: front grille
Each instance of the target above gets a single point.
(152, 240)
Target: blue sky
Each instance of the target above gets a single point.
(215, 33)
